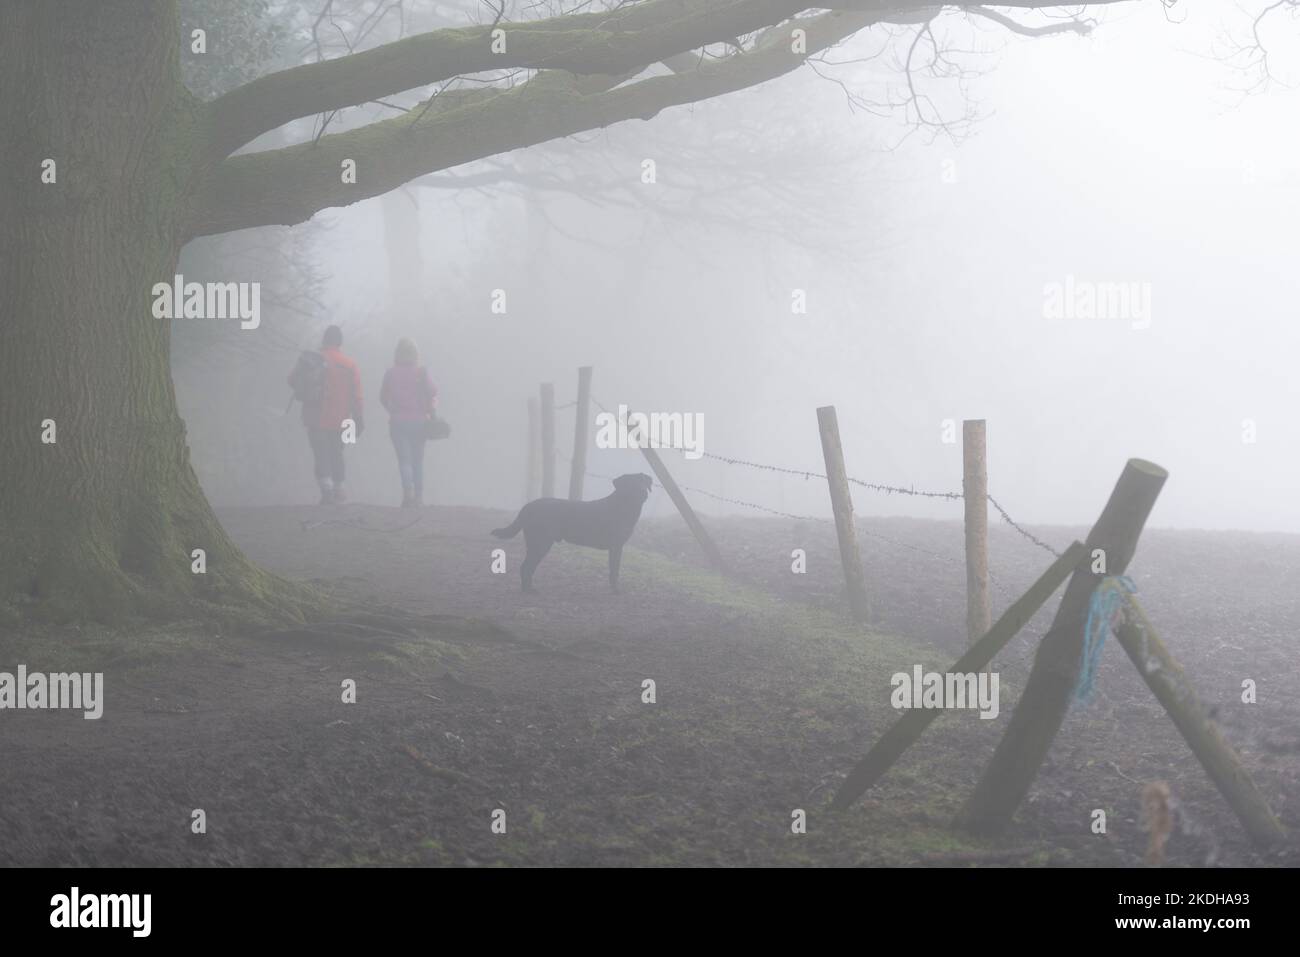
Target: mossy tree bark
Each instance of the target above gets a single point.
(103, 520)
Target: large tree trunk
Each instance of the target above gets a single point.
(103, 521)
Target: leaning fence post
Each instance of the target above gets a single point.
(1046, 698)
(534, 453)
(842, 505)
(684, 507)
(975, 491)
(581, 414)
(548, 440)
(904, 732)
(1165, 678)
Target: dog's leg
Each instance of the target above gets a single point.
(615, 557)
(537, 550)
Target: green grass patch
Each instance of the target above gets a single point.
(62, 648)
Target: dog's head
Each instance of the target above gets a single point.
(634, 484)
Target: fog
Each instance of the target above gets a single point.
(1128, 156)
(358, 641)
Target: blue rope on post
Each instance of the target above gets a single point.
(1103, 608)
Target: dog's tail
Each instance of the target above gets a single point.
(511, 530)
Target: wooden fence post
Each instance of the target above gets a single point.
(842, 505)
(1165, 678)
(1046, 698)
(909, 727)
(684, 507)
(581, 413)
(532, 476)
(548, 440)
(975, 492)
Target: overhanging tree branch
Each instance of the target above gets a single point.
(603, 42)
(287, 186)
(587, 43)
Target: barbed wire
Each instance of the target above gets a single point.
(714, 495)
(812, 518)
(766, 468)
(1014, 524)
(898, 490)
(810, 474)
(891, 490)
(807, 474)
(753, 505)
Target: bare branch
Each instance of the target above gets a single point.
(1081, 27)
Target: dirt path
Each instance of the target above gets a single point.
(763, 698)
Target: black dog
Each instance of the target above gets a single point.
(605, 523)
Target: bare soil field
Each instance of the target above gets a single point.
(765, 695)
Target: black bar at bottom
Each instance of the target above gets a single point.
(933, 906)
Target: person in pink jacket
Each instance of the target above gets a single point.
(409, 396)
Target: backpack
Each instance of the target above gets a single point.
(308, 377)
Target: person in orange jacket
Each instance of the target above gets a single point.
(330, 389)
